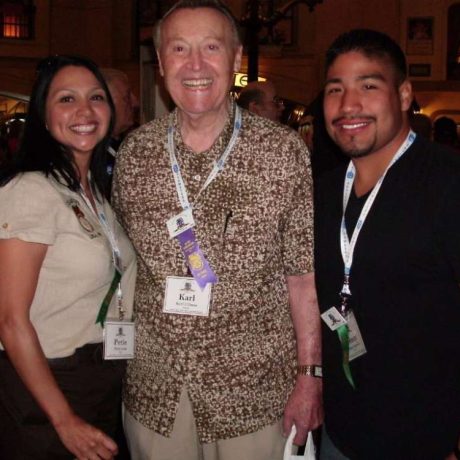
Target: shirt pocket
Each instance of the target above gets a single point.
(250, 242)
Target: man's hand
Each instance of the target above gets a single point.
(304, 408)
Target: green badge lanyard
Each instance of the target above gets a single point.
(115, 285)
(348, 247)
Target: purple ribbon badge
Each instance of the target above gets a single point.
(195, 259)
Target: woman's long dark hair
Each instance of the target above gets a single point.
(39, 151)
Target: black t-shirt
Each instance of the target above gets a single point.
(406, 298)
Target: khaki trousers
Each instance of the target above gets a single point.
(145, 444)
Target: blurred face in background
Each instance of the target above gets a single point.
(306, 130)
(271, 106)
(126, 104)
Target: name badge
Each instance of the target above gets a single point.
(118, 339)
(333, 318)
(183, 296)
(180, 223)
(355, 340)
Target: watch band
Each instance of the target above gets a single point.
(312, 370)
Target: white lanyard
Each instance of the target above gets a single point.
(348, 247)
(110, 235)
(100, 214)
(217, 168)
(112, 151)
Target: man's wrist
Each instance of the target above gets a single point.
(312, 370)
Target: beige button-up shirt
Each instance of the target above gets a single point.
(77, 271)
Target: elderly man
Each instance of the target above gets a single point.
(218, 205)
(388, 241)
(260, 98)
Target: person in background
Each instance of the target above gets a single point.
(325, 155)
(15, 128)
(67, 267)
(419, 122)
(387, 254)
(305, 129)
(3, 150)
(126, 108)
(421, 125)
(260, 97)
(445, 133)
(228, 355)
(125, 101)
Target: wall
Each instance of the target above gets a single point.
(31, 48)
(300, 72)
(295, 77)
(434, 94)
(103, 30)
(18, 57)
(82, 27)
(334, 17)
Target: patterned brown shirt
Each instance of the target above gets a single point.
(254, 223)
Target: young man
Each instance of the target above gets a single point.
(387, 262)
(218, 204)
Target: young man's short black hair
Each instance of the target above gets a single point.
(372, 44)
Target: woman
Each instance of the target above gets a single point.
(59, 246)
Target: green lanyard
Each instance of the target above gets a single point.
(102, 315)
(115, 284)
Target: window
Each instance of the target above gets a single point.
(17, 19)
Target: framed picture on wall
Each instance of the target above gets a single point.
(283, 33)
(420, 35)
(419, 70)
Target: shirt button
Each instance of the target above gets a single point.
(197, 177)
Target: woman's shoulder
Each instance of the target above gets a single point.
(31, 180)
(28, 189)
(29, 208)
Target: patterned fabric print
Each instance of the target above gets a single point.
(239, 363)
